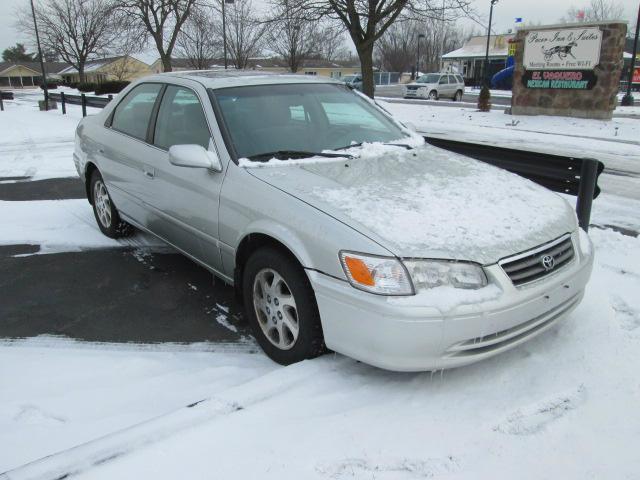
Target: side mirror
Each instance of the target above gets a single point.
(194, 156)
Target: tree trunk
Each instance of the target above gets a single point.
(166, 63)
(365, 53)
(81, 75)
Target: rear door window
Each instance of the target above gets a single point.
(181, 120)
(452, 79)
(133, 113)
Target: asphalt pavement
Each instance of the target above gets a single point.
(110, 295)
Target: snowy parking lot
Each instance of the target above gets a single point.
(121, 359)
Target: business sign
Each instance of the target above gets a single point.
(636, 76)
(569, 49)
(560, 79)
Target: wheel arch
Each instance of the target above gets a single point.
(88, 172)
(254, 241)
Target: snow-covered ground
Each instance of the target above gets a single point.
(615, 142)
(564, 405)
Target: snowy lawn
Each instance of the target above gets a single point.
(37, 144)
(615, 142)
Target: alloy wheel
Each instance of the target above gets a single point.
(102, 203)
(275, 309)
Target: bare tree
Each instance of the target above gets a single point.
(290, 34)
(75, 30)
(331, 42)
(367, 20)
(245, 32)
(197, 41)
(596, 11)
(163, 20)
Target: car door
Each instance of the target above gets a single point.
(124, 155)
(453, 86)
(445, 86)
(185, 200)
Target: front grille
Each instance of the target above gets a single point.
(412, 88)
(540, 262)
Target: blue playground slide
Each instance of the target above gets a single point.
(503, 80)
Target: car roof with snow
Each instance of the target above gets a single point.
(240, 78)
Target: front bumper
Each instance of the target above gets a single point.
(383, 332)
(418, 93)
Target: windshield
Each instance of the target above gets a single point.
(429, 78)
(300, 117)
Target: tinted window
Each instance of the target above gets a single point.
(181, 120)
(452, 79)
(133, 113)
(443, 80)
(460, 79)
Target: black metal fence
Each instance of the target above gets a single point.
(570, 175)
(82, 99)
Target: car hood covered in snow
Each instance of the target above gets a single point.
(427, 202)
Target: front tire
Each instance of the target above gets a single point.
(281, 307)
(433, 95)
(104, 210)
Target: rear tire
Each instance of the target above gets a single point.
(458, 96)
(281, 307)
(104, 210)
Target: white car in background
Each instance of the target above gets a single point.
(436, 85)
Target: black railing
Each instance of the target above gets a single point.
(570, 175)
(82, 99)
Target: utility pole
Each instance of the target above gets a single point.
(418, 59)
(44, 74)
(485, 67)
(627, 100)
(224, 34)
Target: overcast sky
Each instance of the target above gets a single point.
(505, 12)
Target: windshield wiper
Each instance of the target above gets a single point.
(359, 144)
(293, 154)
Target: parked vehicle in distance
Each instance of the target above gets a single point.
(353, 81)
(435, 86)
(338, 227)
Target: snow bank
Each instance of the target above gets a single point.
(59, 226)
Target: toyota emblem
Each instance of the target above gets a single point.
(548, 262)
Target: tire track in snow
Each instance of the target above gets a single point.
(81, 458)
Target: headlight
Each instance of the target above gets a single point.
(435, 273)
(381, 275)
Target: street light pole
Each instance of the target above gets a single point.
(627, 100)
(224, 34)
(44, 74)
(418, 59)
(485, 67)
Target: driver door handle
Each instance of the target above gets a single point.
(149, 172)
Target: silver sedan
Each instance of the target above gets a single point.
(339, 228)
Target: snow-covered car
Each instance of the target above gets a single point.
(338, 227)
(436, 85)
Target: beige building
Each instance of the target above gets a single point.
(125, 68)
(27, 74)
